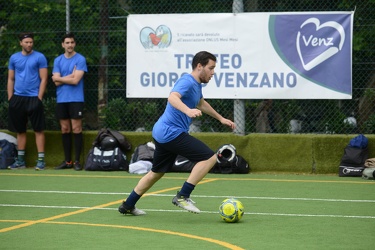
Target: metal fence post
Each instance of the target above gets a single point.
(239, 105)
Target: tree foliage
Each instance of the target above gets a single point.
(100, 29)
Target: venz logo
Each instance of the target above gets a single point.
(318, 49)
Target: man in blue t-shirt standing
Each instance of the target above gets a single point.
(170, 133)
(27, 82)
(68, 71)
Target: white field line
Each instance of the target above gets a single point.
(207, 212)
(195, 196)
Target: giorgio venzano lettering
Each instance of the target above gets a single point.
(233, 79)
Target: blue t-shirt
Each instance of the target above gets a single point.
(173, 122)
(65, 66)
(26, 72)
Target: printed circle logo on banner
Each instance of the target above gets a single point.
(160, 38)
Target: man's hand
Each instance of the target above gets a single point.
(228, 122)
(192, 113)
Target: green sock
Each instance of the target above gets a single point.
(41, 156)
(21, 155)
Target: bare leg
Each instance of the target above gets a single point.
(200, 170)
(40, 141)
(21, 141)
(147, 182)
(65, 126)
(76, 126)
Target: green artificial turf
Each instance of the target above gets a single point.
(78, 210)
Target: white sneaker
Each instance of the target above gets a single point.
(185, 203)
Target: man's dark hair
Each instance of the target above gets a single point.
(67, 35)
(26, 35)
(202, 57)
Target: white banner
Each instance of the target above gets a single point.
(304, 55)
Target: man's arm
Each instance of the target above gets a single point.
(54, 76)
(175, 100)
(43, 74)
(72, 79)
(10, 85)
(206, 108)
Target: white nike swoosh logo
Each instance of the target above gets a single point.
(178, 163)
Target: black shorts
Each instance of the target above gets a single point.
(69, 110)
(186, 145)
(24, 108)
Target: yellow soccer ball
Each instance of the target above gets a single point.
(231, 210)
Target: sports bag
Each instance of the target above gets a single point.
(360, 141)
(370, 163)
(237, 166)
(354, 157)
(143, 152)
(226, 153)
(368, 174)
(8, 153)
(111, 160)
(122, 141)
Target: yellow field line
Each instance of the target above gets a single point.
(50, 220)
(218, 242)
(30, 223)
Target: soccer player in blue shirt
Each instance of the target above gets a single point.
(27, 82)
(68, 71)
(170, 133)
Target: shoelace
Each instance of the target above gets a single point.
(190, 200)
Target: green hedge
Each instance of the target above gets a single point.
(300, 153)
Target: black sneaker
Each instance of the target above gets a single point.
(133, 211)
(77, 166)
(17, 165)
(64, 165)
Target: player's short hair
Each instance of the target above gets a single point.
(203, 58)
(68, 35)
(25, 35)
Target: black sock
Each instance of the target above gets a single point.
(78, 143)
(186, 190)
(67, 145)
(132, 200)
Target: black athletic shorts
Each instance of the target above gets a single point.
(24, 108)
(186, 145)
(69, 110)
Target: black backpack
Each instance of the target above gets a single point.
(108, 152)
(143, 152)
(8, 153)
(122, 141)
(355, 155)
(238, 166)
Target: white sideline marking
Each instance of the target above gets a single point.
(195, 196)
(207, 212)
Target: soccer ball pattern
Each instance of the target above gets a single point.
(231, 210)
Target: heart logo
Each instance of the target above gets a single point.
(313, 50)
(160, 38)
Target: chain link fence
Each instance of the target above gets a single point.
(100, 30)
